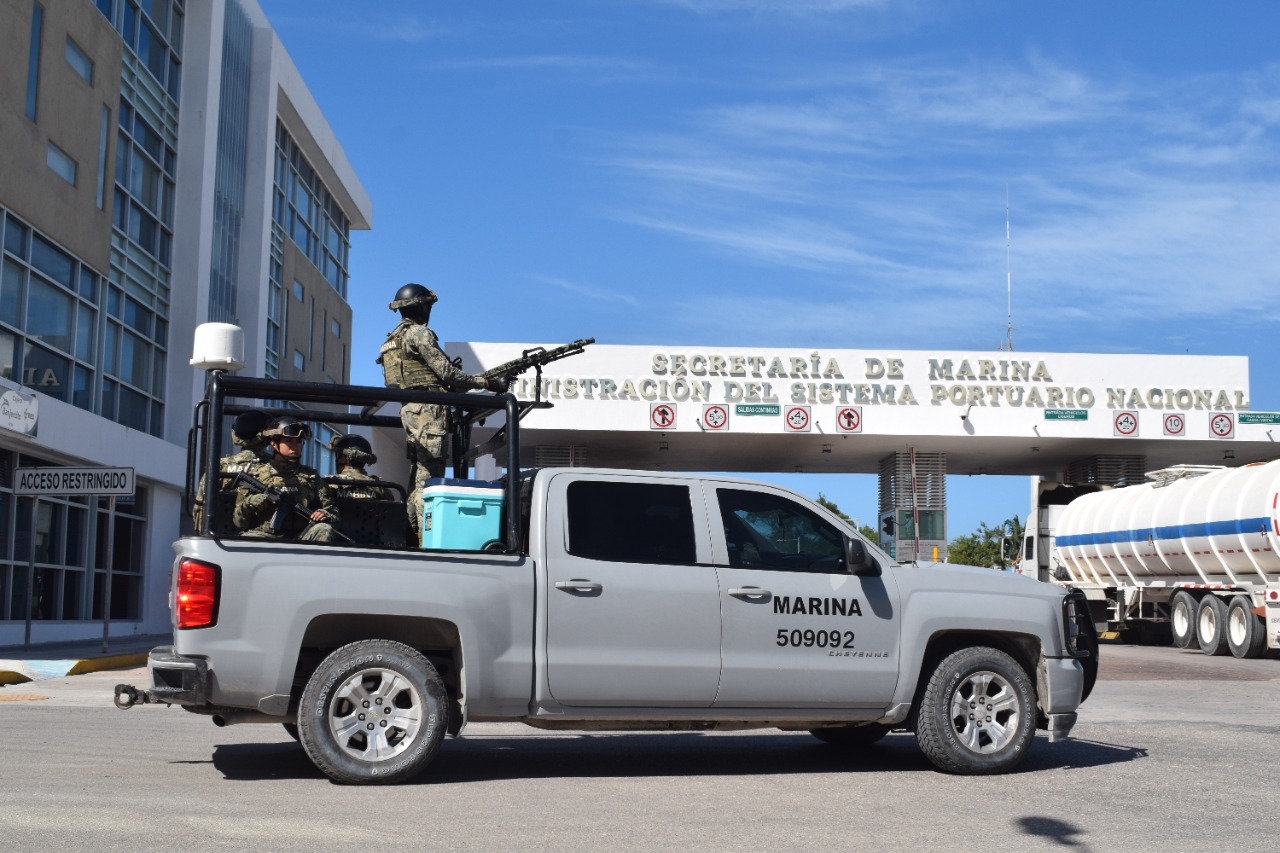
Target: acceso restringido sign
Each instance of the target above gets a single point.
(73, 481)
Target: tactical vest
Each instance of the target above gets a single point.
(400, 368)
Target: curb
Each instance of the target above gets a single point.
(20, 672)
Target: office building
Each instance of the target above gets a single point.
(164, 165)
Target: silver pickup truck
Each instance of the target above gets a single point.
(609, 600)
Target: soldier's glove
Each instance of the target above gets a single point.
(497, 384)
(259, 500)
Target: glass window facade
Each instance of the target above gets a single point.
(49, 317)
(232, 154)
(33, 60)
(61, 164)
(308, 214)
(69, 536)
(79, 62)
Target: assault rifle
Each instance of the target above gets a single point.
(536, 358)
(285, 504)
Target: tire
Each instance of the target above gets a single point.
(851, 736)
(977, 713)
(1182, 619)
(1246, 632)
(1211, 625)
(374, 712)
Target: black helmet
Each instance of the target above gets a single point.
(341, 442)
(412, 295)
(288, 427)
(247, 426)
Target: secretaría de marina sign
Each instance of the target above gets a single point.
(1048, 381)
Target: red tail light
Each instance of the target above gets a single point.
(197, 594)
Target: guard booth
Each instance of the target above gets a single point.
(913, 506)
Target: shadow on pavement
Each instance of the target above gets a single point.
(491, 758)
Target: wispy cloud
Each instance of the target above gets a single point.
(776, 7)
(890, 179)
(372, 24)
(594, 293)
(544, 61)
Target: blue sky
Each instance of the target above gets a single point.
(815, 173)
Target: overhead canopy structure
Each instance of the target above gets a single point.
(787, 410)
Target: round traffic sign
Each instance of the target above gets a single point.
(849, 419)
(1222, 425)
(798, 418)
(1174, 425)
(1126, 423)
(662, 416)
(715, 416)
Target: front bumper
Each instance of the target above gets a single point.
(1060, 726)
(175, 680)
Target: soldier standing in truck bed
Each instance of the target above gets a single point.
(411, 358)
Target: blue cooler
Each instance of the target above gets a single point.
(461, 515)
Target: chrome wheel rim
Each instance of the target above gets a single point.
(375, 715)
(985, 712)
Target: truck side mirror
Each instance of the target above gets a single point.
(857, 560)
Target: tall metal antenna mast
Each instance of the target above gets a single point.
(1008, 272)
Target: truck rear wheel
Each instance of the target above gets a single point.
(977, 713)
(1182, 619)
(374, 712)
(1246, 632)
(1211, 625)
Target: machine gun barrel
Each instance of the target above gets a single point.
(285, 503)
(537, 357)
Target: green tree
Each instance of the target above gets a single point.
(991, 547)
(866, 530)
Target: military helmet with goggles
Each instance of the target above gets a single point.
(287, 427)
(412, 295)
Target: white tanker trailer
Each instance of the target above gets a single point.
(1196, 549)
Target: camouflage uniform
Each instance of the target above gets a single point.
(411, 358)
(254, 510)
(355, 473)
(254, 452)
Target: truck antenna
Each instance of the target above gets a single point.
(1008, 273)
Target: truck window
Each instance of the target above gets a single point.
(766, 531)
(631, 522)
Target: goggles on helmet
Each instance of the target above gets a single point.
(293, 429)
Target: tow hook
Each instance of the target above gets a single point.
(127, 696)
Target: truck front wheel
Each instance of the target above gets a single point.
(977, 713)
(374, 712)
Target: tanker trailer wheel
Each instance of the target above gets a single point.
(1246, 633)
(977, 713)
(374, 712)
(1211, 625)
(1182, 619)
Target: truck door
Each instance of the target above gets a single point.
(633, 609)
(799, 629)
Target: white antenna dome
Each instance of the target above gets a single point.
(218, 346)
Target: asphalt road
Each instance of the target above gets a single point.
(1173, 752)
